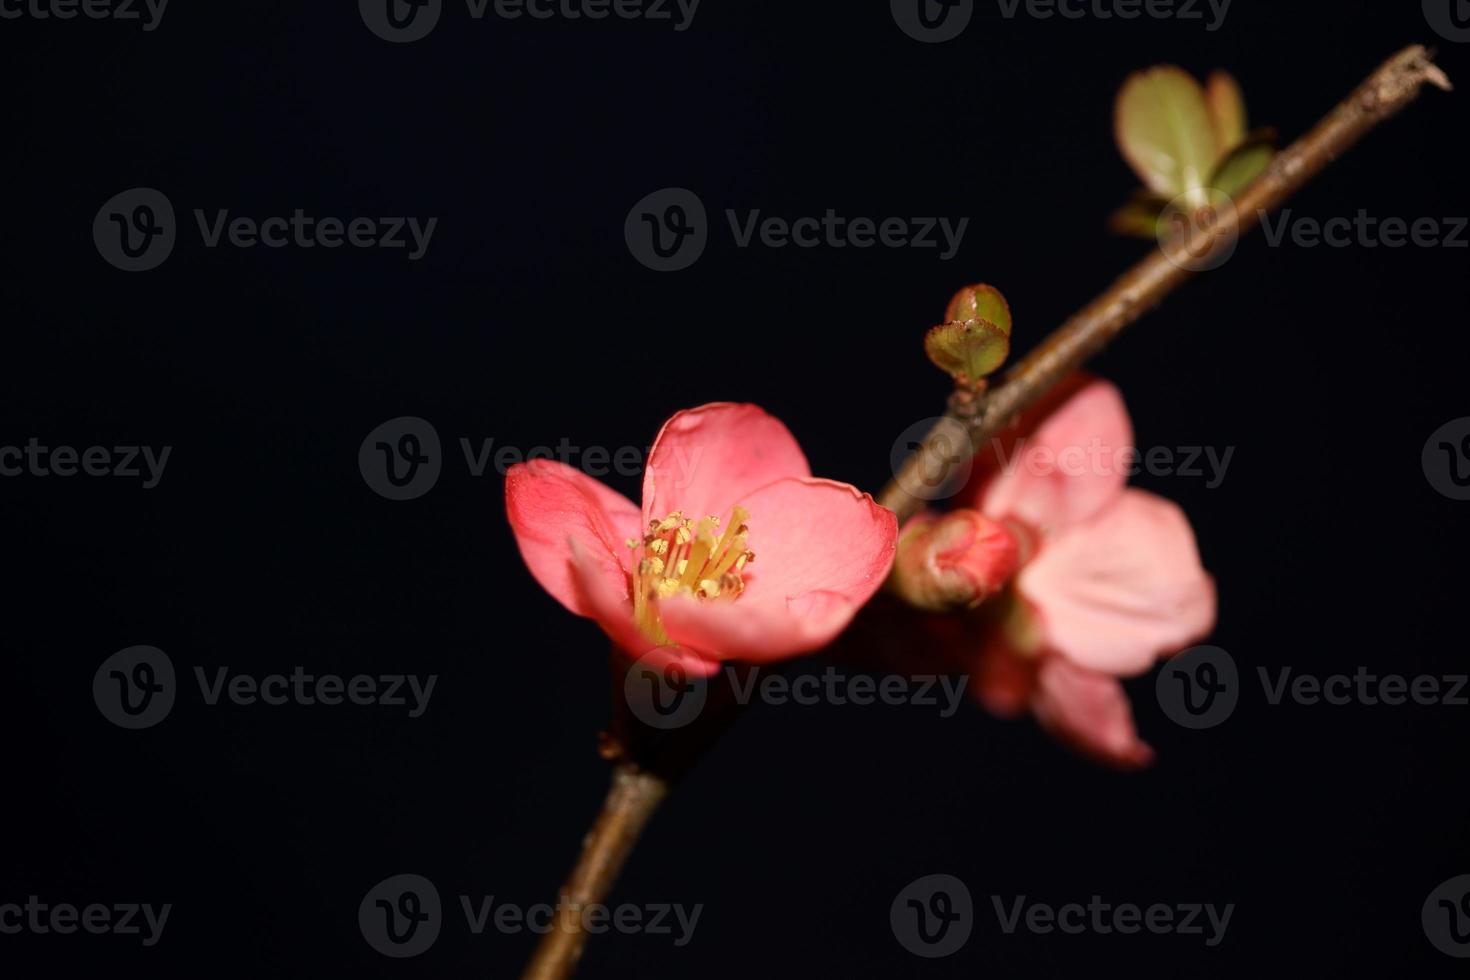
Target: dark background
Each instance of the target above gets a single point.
(528, 321)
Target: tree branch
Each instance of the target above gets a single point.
(631, 801)
(1388, 90)
(647, 762)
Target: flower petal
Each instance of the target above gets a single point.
(705, 459)
(1066, 464)
(607, 601)
(1090, 712)
(822, 549)
(757, 633)
(550, 505)
(812, 535)
(1124, 588)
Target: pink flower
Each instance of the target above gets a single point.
(1110, 577)
(725, 483)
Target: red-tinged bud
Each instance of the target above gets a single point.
(953, 561)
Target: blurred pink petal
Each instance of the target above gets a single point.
(1066, 469)
(1123, 589)
(1089, 711)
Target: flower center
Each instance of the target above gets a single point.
(681, 557)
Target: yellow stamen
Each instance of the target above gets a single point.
(679, 557)
(704, 543)
(734, 551)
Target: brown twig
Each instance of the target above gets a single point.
(631, 801)
(1388, 90)
(648, 760)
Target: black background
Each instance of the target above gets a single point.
(528, 321)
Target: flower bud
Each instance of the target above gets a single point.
(953, 561)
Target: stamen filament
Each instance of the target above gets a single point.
(674, 558)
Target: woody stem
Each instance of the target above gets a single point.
(631, 800)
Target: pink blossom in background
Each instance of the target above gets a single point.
(1110, 577)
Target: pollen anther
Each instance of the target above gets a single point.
(700, 561)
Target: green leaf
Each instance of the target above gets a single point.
(1227, 110)
(968, 350)
(980, 302)
(1245, 163)
(1165, 131)
(1139, 217)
